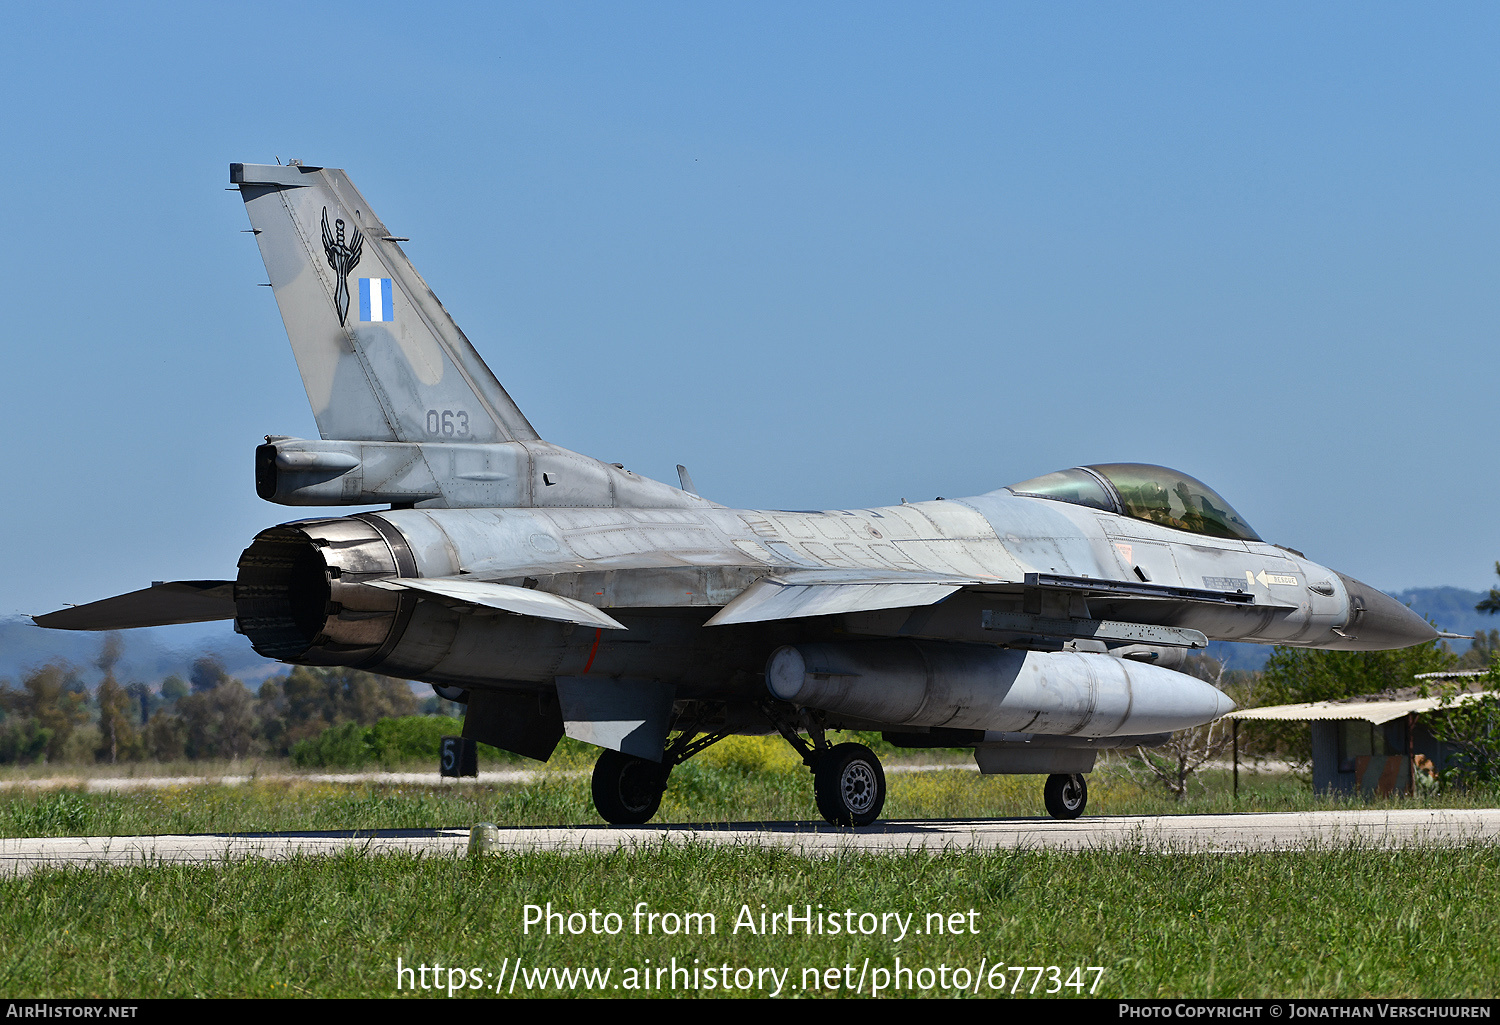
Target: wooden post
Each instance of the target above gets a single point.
(1411, 749)
(1234, 727)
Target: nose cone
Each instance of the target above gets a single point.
(1223, 704)
(1378, 622)
(1164, 700)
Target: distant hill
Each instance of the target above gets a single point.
(149, 656)
(1451, 608)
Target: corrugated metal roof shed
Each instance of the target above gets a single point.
(1375, 710)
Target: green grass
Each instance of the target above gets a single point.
(1347, 921)
(741, 780)
(1326, 923)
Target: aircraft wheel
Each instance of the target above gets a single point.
(849, 785)
(627, 789)
(1065, 796)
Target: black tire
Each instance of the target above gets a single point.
(1065, 795)
(627, 789)
(849, 785)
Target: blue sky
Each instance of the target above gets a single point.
(827, 255)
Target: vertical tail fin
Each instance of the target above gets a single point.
(379, 356)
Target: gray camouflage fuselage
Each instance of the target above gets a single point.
(665, 572)
(552, 589)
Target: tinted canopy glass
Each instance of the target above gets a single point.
(1076, 486)
(1159, 495)
(1144, 492)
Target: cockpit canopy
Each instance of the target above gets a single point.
(1144, 492)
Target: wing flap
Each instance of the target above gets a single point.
(170, 603)
(522, 601)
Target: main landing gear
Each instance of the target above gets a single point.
(848, 782)
(628, 789)
(1065, 795)
(849, 785)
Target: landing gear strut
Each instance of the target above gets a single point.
(848, 782)
(1065, 795)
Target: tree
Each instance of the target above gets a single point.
(142, 701)
(57, 701)
(1485, 647)
(1491, 602)
(196, 712)
(1175, 763)
(208, 672)
(315, 698)
(372, 698)
(23, 740)
(234, 710)
(1471, 729)
(165, 736)
(270, 710)
(173, 689)
(117, 734)
(1298, 675)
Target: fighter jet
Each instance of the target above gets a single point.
(552, 593)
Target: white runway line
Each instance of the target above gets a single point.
(108, 784)
(111, 784)
(1284, 831)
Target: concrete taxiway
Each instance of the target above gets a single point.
(1165, 833)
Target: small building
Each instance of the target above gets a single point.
(1369, 744)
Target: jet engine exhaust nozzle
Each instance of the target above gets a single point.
(298, 596)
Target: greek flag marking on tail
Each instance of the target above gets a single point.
(376, 299)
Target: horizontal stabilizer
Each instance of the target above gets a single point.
(796, 595)
(164, 604)
(522, 601)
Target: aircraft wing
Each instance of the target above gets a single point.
(795, 594)
(167, 603)
(522, 601)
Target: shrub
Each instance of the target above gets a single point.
(388, 743)
(410, 738)
(345, 746)
(752, 754)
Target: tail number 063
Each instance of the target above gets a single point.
(448, 423)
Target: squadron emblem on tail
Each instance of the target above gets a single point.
(342, 257)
